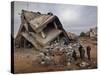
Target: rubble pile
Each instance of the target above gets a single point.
(58, 53)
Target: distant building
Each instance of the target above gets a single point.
(92, 33)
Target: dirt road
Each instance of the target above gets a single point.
(25, 60)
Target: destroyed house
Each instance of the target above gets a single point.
(38, 30)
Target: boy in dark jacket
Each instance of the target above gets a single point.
(88, 52)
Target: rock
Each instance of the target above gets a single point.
(68, 63)
(72, 36)
(84, 64)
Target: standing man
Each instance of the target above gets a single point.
(82, 52)
(88, 52)
(74, 55)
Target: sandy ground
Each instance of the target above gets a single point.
(25, 60)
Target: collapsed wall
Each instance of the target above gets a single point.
(40, 30)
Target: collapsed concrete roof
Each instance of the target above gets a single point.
(36, 20)
(40, 29)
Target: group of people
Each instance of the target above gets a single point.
(82, 52)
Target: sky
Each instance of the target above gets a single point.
(74, 18)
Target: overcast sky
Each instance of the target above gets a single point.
(74, 18)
